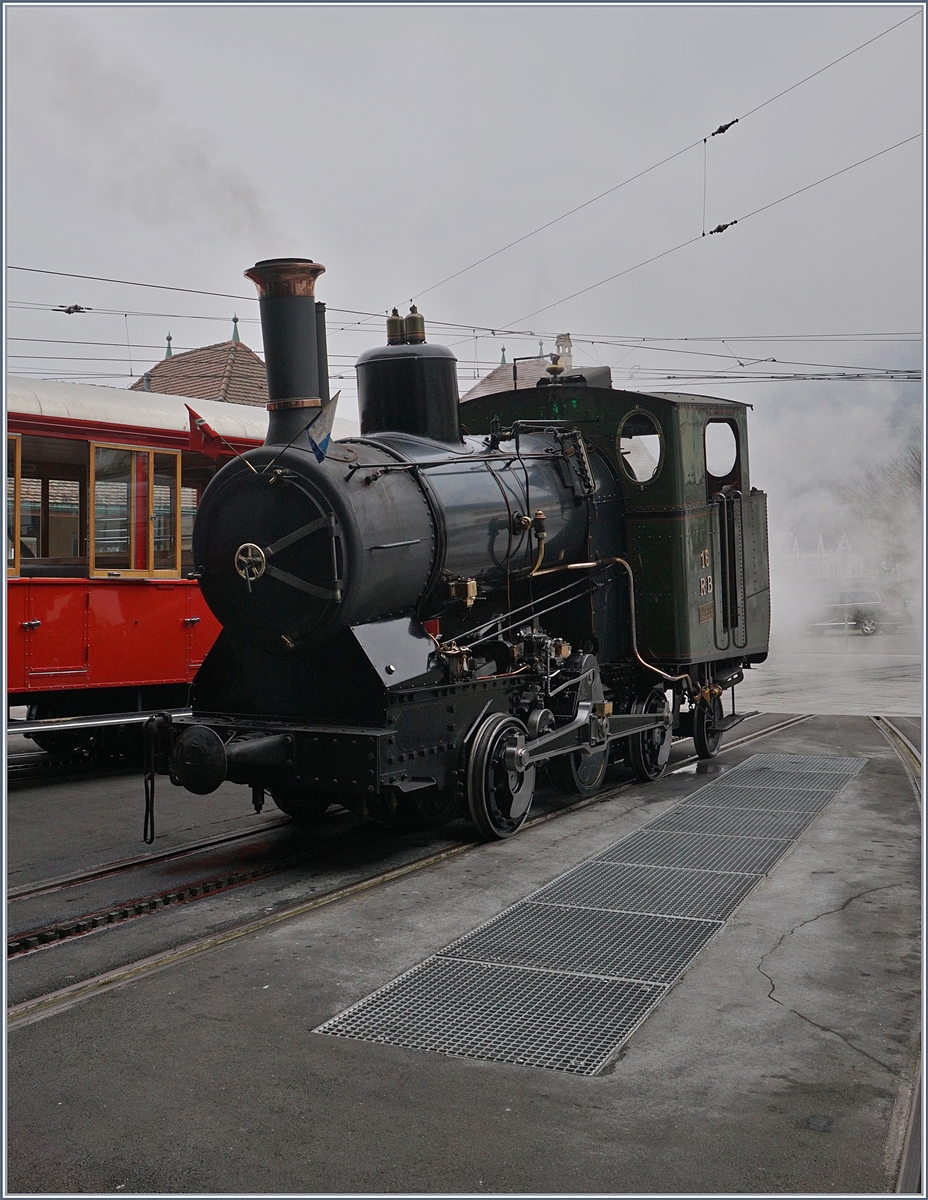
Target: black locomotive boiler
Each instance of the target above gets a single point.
(416, 624)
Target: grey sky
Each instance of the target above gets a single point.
(177, 145)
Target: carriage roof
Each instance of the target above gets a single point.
(92, 405)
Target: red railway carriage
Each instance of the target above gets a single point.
(103, 618)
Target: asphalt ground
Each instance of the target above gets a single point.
(68, 826)
(783, 1061)
(839, 672)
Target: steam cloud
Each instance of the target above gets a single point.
(163, 173)
(844, 464)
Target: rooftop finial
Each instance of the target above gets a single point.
(541, 349)
(167, 353)
(235, 337)
(502, 361)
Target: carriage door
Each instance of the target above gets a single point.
(51, 544)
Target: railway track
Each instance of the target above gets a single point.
(37, 766)
(910, 754)
(120, 866)
(909, 1175)
(47, 936)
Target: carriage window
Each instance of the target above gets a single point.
(12, 505)
(189, 498)
(165, 512)
(135, 512)
(52, 494)
(721, 449)
(112, 509)
(639, 444)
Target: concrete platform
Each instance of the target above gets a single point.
(783, 1061)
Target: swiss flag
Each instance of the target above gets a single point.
(203, 438)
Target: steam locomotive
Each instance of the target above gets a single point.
(418, 620)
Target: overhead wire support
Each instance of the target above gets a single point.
(718, 229)
(647, 170)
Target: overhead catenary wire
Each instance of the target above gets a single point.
(699, 237)
(669, 158)
(602, 339)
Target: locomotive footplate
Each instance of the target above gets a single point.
(342, 761)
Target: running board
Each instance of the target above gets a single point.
(732, 720)
(63, 724)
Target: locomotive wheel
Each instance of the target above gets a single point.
(648, 752)
(582, 773)
(867, 626)
(300, 803)
(65, 743)
(499, 799)
(426, 808)
(705, 735)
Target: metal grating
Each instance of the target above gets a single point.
(507, 1014)
(663, 891)
(613, 945)
(564, 977)
(749, 795)
(816, 763)
(735, 822)
(776, 777)
(668, 847)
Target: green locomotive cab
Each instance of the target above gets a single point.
(696, 530)
(693, 532)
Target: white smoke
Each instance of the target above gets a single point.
(831, 465)
(113, 125)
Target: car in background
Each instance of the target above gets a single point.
(871, 610)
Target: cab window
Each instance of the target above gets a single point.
(723, 458)
(639, 446)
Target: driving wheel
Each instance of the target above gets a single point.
(582, 773)
(426, 808)
(301, 803)
(499, 797)
(705, 735)
(650, 751)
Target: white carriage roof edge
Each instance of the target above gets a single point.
(143, 410)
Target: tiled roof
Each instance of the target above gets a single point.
(528, 372)
(228, 371)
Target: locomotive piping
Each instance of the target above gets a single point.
(633, 628)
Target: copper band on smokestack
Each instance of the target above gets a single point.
(289, 324)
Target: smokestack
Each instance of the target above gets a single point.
(322, 353)
(290, 324)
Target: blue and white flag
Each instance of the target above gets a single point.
(319, 430)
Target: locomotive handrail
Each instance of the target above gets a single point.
(744, 585)
(450, 461)
(721, 535)
(575, 679)
(499, 628)
(720, 501)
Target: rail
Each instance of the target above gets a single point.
(909, 1173)
(37, 940)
